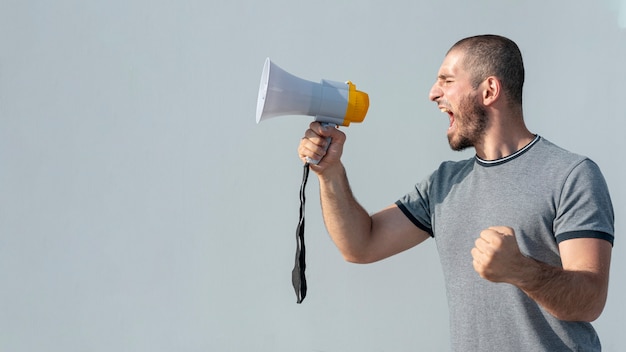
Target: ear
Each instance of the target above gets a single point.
(492, 88)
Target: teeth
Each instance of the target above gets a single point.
(444, 110)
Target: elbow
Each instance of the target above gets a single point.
(593, 309)
(588, 315)
(358, 258)
(358, 261)
(355, 259)
(592, 314)
(592, 317)
(586, 318)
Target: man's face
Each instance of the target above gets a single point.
(455, 96)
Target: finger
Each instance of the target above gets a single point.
(315, 125)
(476, 264)
(323, 130)
(476, 254)
(309, 149)
(503, 230)
(484, 248)
(327, 131)
(317, 144)
(480, 244)
(490, 235)
(316, 138)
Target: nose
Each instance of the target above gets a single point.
(435, 92)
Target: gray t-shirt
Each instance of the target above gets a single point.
(547, 195)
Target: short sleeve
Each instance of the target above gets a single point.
(415, 205)
(584, 209)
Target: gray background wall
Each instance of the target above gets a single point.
(143, 209)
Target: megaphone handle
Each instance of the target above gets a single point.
(328, 141)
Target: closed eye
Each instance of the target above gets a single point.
(445, 80)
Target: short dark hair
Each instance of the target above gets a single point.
(494, 55)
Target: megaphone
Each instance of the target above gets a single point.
(330, 102)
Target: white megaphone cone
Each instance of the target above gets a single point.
(281, 93)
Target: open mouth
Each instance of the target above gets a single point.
(450, 115)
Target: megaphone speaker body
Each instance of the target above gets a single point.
(281, 93)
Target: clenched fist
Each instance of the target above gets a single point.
(497, 256)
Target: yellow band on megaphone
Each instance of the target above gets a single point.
(358, 103)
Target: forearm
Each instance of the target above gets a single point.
(347, 222)
(572, 295)
(575, 291)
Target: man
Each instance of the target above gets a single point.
(524, 229)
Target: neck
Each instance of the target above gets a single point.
(503, 137)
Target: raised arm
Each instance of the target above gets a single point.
(360, 238)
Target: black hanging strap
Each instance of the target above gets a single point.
(297, 274)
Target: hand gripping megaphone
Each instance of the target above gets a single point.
(332, 103)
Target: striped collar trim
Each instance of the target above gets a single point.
(509, 157)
